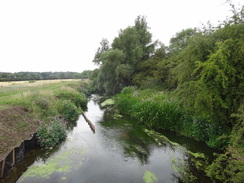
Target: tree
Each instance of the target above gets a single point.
(120, 63)
(107, 79)
(181, 40)
(223, 77)
(102, 49)
(128, 42)
(145, 37)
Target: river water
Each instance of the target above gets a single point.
(119, 152)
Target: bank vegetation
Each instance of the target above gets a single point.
(46, 107)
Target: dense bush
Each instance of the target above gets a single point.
(77, 98)
(50, 134)
(68, 110)
(229, 166)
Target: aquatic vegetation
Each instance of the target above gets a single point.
(159, 138)
(150, 177)
(186, 164)
(62, 163)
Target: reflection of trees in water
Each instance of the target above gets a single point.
(189, 167)
(133, 139)
(138, 142)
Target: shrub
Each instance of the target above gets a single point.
(77, 98)
(51, 133)
(67, 110)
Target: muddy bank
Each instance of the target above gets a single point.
(16, 125)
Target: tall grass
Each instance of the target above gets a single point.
(158, 111)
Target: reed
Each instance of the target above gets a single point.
(157, 110)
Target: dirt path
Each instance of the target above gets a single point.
(16, 125)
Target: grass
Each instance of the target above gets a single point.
(11, 92)
(43, 101)
(159, 111)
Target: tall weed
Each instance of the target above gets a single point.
(50, 134)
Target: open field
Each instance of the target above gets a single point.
(12, 92)
(34, 83)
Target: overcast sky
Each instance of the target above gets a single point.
(63, 35)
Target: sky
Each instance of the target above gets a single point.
(63, 35)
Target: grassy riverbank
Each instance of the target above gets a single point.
(160, 110)
(27, 106)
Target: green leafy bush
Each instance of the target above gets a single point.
(50, 134)
(77, 98)
(229, 167)
(68, 110)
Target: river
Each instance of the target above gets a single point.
(119, 151)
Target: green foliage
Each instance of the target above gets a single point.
(222, 78)
(158, 110)
(74, 96)
(119, 64)
(68, 110)
(101, 50)
(180, 40)
(50, 134)
(84, 75)
(33, 76)
(152, 109)
(229, 167)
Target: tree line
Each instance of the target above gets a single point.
(26, 76)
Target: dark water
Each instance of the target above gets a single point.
(119, 152)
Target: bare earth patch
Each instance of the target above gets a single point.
(16, 124)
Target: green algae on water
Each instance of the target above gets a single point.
(63, 163)
(150, 177)
(159, 138)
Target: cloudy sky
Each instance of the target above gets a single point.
(63, 35)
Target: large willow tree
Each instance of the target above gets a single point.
(119, 62)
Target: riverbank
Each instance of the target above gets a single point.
(159, 110)
(16, 125)
(26, 107)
